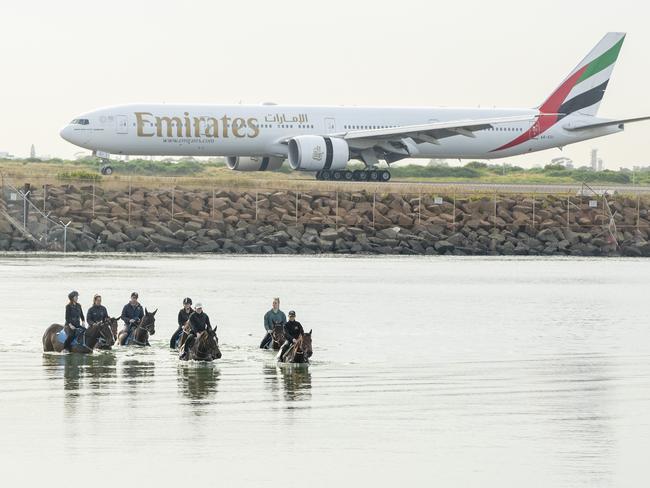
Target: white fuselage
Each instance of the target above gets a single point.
(262, 130)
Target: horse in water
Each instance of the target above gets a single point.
(205, 347)
(140, 334)
(55, 336)
(101, 343)
(277, 336)
(300, 351)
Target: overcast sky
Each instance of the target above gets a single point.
(64, 57)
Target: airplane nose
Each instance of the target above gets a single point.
(65, 133)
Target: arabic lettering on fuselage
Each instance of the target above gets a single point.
(286, 119)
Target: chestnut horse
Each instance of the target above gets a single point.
(53, 338)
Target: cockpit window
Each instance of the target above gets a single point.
(80, 121)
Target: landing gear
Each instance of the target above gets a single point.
(376, 176)
(107, 170)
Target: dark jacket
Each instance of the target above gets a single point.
(130, 312)
(199, 322)
(184, 316)
(293, 330)
(96, 313)
(74, 315)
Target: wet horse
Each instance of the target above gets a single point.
(55, 335)
(277, 336)
(300, 351)
(205, 347)
(140, 334)
(108, 345)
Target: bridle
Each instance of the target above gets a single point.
(145, 327)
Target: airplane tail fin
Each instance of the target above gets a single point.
(584, 88)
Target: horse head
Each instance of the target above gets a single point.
(306, 344)
(148, 322)
(277, 333)
(105, 331)
(208, 344)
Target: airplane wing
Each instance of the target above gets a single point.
(607, 123)
(395, 143)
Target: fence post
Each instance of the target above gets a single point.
(173, 193)
(495, 211)
(129, 200)
(256, 205)
(420, 207)
(44, 196)
(213, 197)
(534, 200)
(374, 199)
(65, 236)
(453, 214)
(568, 210)
(24, 195)
(296, 207)
(93, 199)
(336, 221)
(638, 210)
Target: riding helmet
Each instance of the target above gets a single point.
(187, 301)
(291, 312)
(73, 294)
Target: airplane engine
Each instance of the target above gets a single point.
(255, 163)
(316, 153)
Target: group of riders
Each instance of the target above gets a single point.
(192, 323)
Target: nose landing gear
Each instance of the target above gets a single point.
(106, 170)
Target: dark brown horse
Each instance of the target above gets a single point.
(140, 334)
(205, 347)
(300, 351)
(277, 336)
(53, 342)
(104, 345)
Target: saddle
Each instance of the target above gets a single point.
(79, 339)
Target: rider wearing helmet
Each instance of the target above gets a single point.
(292, 332)
(183, 317)
(97, 312)
(199, 321)
(74, 319)
(132, 313)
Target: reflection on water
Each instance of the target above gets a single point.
(198, 382)
(77, 369)
(295, 380)
(137, 372)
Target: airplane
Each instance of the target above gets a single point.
(323, 140)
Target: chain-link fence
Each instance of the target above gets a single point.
(94, 215)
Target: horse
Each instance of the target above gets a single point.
(300, 351)
(205, 347)
(277, 336)
(102, 344)
(55, 335)
(140, 335)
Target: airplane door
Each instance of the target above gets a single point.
(122, 124)
(330, 125)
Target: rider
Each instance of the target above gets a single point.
(275, 316)
(183, 317)
(292, 332)
(132, 313)
(199, 321)
(74, 319)
(97, 312)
